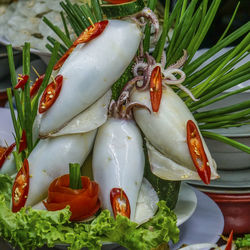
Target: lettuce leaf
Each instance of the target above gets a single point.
(5, 187)
(29, 228)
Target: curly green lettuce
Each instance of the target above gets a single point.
(5, 187)
(29, 228)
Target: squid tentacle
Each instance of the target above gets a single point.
(180, 62)
(149, 14)
(135, 104)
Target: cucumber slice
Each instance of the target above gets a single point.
(122, 10)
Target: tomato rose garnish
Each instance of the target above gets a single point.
(83, 202)
(87, 35)
(20, 187)
(197, 152)
(50, 94)
(156, 88)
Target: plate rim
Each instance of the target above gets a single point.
(189, 193)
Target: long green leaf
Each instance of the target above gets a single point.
(15, 122)
(230, 23)
(219, 98)
(224, 110)
(191, 67)
(59, 33)
(203, 29)
(195, 105)
(14, 82)
(226, 140)
(162, 39)
(27, 102)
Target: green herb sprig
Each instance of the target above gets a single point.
(26, 108)
(75, 181)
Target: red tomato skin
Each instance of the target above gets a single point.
(83, 202)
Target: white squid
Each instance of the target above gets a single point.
(166, 134)
(90, 71)
(118, 161)
(50, 159)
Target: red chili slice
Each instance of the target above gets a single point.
(6, 152)
(20, 188)
(23, 142)
(36, 85)
(87, 35)
(50, 94)
(197, 152)
(22, 80)
(156, 88)
(83, 202)
(91, 32)
(229, 241)
(61, 61)
(120, 203)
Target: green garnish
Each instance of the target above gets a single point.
(26, 108)
(243, 241)
(29, 229)
(75, 181)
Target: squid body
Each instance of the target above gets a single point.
(90, 71)
(50, 159)
(166, 134)
(118, 161)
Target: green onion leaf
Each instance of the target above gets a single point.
(75, 181)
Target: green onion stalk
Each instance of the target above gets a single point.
(26, 107)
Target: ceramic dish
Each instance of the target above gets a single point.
(4, 65)
(228, 157)
(229, 179)
(235, 208)
(219, 190)
(205, 225)
(45, 56)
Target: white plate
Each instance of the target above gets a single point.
(205, 226)
(229, 179)
(186, 204)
